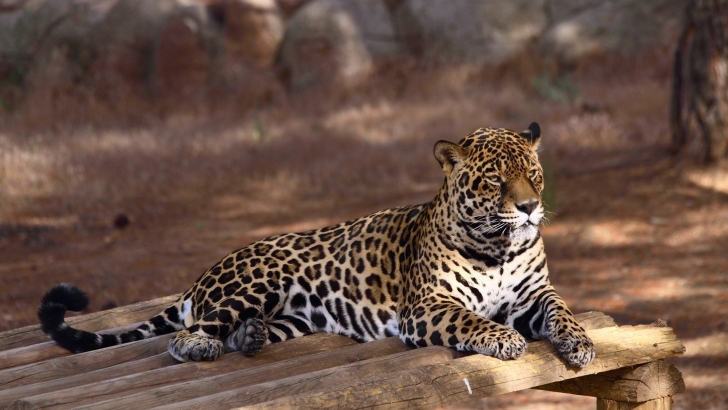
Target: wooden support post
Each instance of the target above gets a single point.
(645, 387)
(663, 403)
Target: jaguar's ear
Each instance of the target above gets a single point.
(448, 155)
(532, 134)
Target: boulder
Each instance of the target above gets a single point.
(125, 42)
(50, 43)
(469, 30)
(290, 6)
(182, 64)
(324, 47)
(376, 27)
(583, 27)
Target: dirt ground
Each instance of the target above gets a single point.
(635, 233)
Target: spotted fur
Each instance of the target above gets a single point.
(466, 270)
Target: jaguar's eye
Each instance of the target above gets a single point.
(533, 174)
(494, 180)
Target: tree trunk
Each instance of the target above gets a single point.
(699, 106)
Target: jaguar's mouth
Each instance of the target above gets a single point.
(525, 231)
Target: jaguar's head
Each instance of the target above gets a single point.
(493, 183)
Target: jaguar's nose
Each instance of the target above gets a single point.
(528, 207)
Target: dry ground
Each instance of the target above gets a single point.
(636, 233)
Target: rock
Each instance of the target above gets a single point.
(323, 47)
(253, 30)
(290, 6)
(125, 42)
(11, 5)
(181, 60)
(469, 30)
(583, 27)
(187, 51)
(51, 46)
(376, 26)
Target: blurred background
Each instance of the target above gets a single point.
(142, 140)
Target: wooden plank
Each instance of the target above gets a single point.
(20, 405)
(31, 354)
(83, 362)
(92, 322)
(594, 320)
(631, 384)
(315, 379)
(44, 351)
(180, 373)
(203, 376)
(323, 357)
(479, 376)
(235, 383)
(124, 369)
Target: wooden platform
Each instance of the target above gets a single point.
(325, 371)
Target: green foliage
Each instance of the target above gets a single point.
(258, 133)
(559, 89)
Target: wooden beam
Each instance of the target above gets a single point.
(83, 362)
(161, 369)
(313, 380)
(374, 366)
(194, 379)
(475, 376)
(156, 362)
(107, 383)
(637, 384)
(92, 322)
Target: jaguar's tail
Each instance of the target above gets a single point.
(65, 296)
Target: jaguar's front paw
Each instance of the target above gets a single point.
(504, 343)
(576, 347)
(187, 346)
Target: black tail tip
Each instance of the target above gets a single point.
(65, 294)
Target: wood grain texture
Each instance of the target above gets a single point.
(313, 379)
(134, 367)
(311, 370)
(200, 376)
(82, 362)
(437, 385)
(319, 356)
(319, 380)
(55, 382)
(637, 384)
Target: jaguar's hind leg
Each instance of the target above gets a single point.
(250, 337)
(203, 340)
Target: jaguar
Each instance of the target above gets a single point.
(466, 270)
